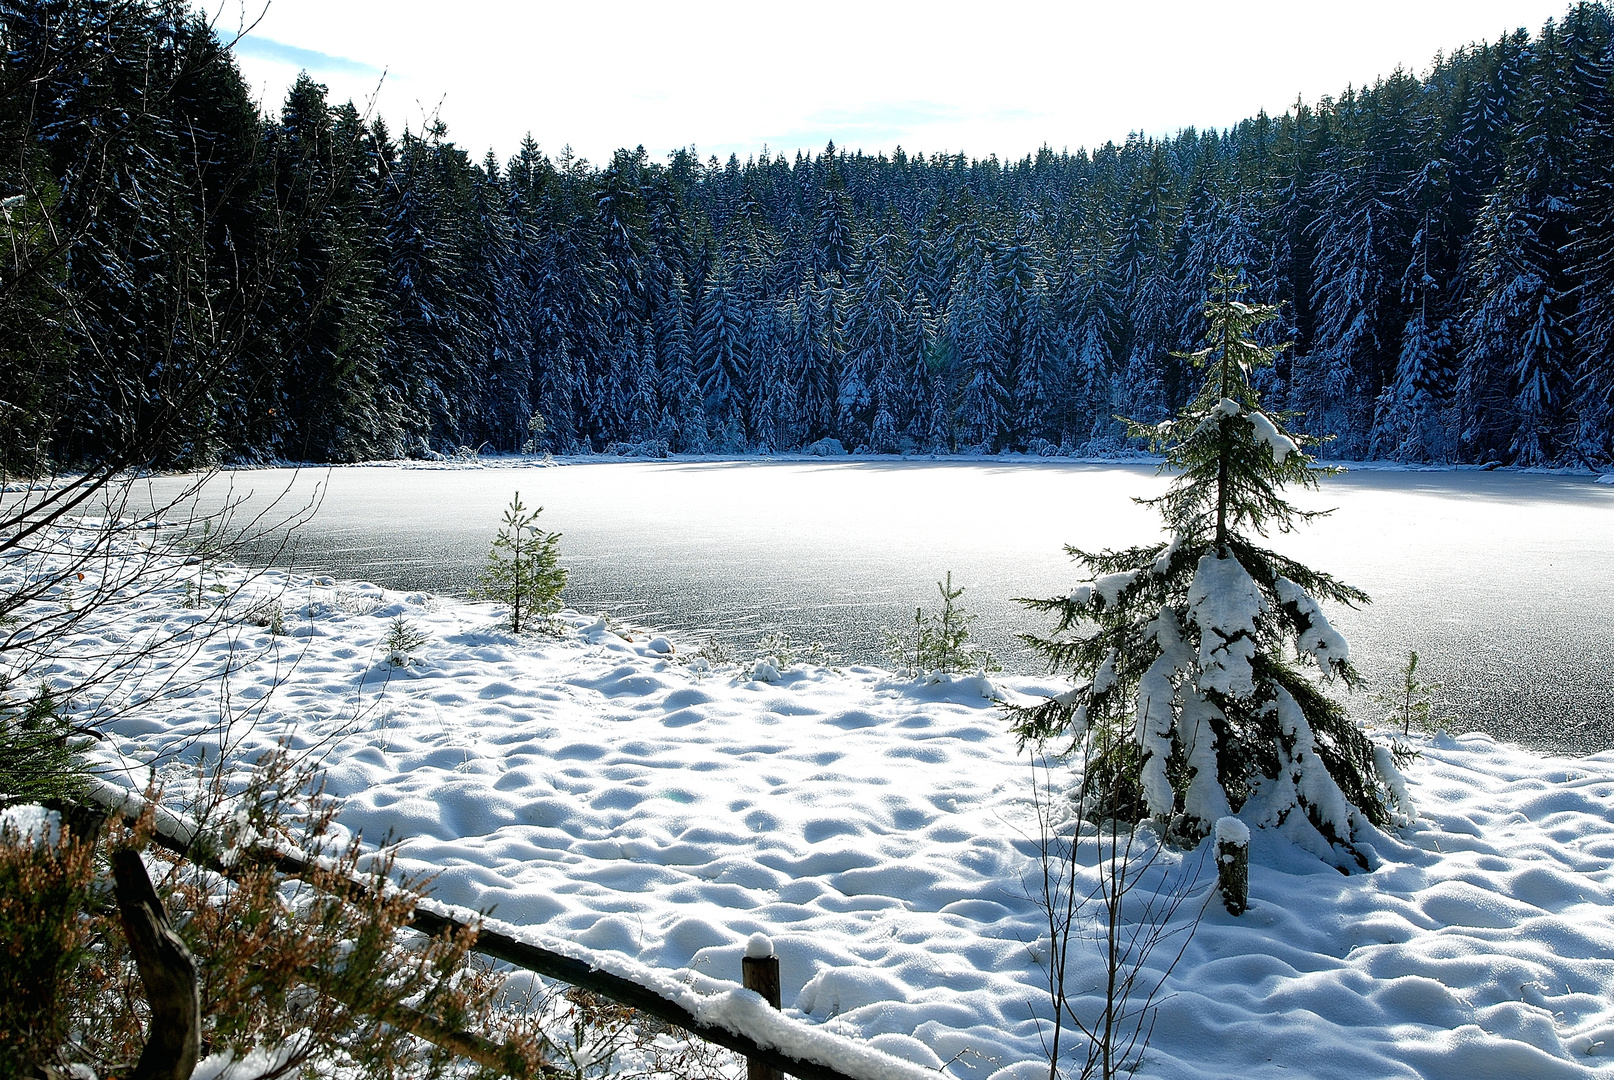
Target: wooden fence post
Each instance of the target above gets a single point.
(167, 970)
(760, 972)
(1233, 864)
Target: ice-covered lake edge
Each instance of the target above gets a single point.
(1126, 457)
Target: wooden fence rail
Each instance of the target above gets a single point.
(175, 833)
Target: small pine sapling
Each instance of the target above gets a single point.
(940, 642)
(944, 644)
(902, 646)
(39, 757)
(1192, 650)
(523, 569)
(1409, 700)
(535, 428)
(714, 652)
(401, 642)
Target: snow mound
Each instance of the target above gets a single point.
(843, 990)
(31, 824)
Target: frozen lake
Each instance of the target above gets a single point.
(1504, 583)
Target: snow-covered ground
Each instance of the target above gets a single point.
(606, 791)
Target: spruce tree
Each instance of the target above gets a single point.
(1191, 652)
(523, 568)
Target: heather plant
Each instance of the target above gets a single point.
(315, 974)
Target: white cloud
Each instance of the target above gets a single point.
(732, 76)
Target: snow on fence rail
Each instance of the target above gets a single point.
(723, 1013)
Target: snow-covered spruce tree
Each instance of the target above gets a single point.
(523, 568)
(1195, 703)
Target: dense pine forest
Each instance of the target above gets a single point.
(231, 285)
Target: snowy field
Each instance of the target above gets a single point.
(605, 791)
(1489, 575)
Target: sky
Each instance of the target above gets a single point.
(731, 77)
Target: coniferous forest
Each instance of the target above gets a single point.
(305, 284)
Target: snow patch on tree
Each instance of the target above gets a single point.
(1204, 800)
(1304, 781)
(1107, 589)
(1318, 638)
(1156, 709)
(1267, 432)
(1224, 602)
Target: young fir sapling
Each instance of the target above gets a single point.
(523, 568)
(1184, 646)
(402, 640)
(1409, 701)
(939, 642)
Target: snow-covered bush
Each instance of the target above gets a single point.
(536, 426)
(357, 601)
(776, 646)
(267, 612)
(1042, 448)
(714, 653)
(1192, 652)
(777, 653)
(825, 447)
(649, 448)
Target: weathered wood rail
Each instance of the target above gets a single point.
(178, 835)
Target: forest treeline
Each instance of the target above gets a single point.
(309, 285)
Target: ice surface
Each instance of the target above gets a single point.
(1487, 574)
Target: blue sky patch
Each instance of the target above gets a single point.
(308, 59)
